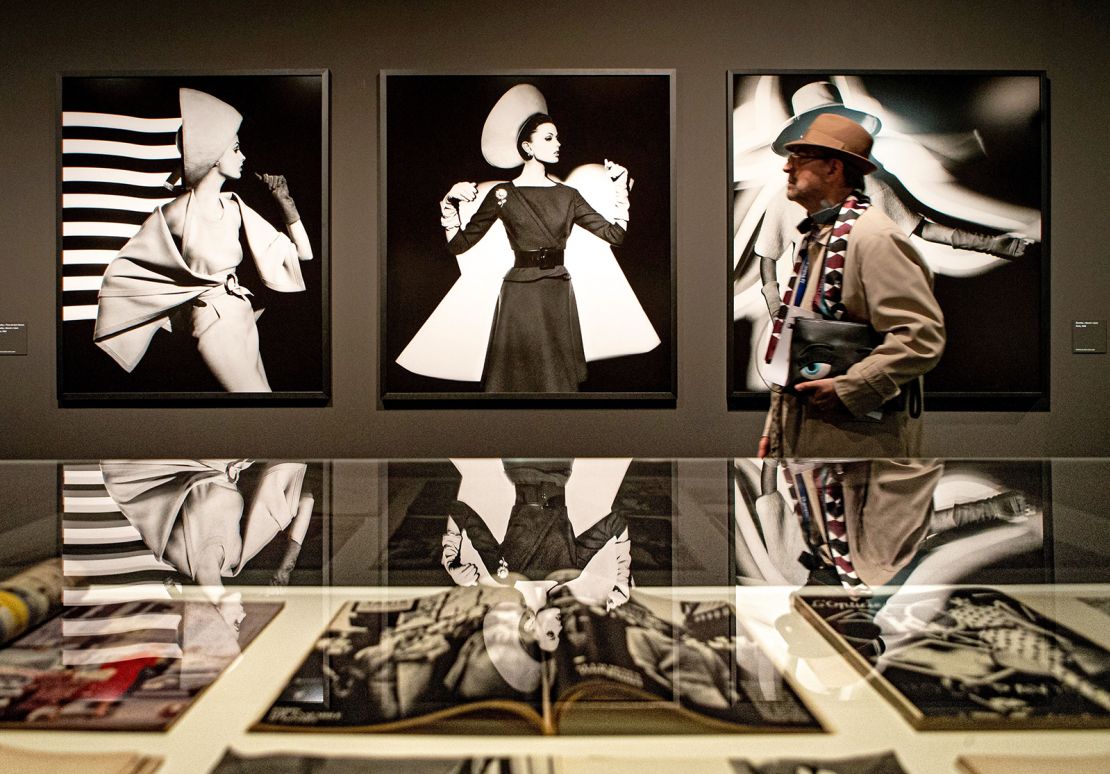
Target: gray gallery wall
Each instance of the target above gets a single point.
(701, 41)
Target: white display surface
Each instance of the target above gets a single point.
(858, 719)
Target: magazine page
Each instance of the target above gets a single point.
(128, 666)
(462, 661)
(657, 666)
(968, 658)
(234, 762)
(873, 763)
(29, 598)
(876, 763)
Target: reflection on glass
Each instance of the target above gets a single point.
(133, 644)
(537, 518)
(484, 658)
(868, 523)
(164, 522)
(536, 522)
(953, 657)
(130, 665)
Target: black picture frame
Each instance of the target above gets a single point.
(430, 130)
(285, 130)
(957, 140)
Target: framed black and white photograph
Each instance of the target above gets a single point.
(527, 227)
(189, 204)
(962, 162)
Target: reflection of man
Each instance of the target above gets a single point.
(863, 521)
(853, 264)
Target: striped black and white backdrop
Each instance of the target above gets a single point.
(105, 561)
(117, 604)
(116, 169)
(119, 160)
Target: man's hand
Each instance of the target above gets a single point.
(820, 394)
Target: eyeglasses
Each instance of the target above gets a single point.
(797, 159)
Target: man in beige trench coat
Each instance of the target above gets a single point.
(856, 265)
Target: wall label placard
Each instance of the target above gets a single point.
(13, 338)
(1088, 337)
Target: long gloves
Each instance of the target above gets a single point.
(461, 574)
(449, 211)
(279, 189)
(622, 184)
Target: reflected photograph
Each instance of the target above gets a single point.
(140, 613)
(865, 524)
(601, 525)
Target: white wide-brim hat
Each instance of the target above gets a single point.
(208, 128)
(504, 121)
(812, 100)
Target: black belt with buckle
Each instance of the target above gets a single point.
(544, 494)
(547, 258)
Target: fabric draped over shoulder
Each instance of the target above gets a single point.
(150, 278)
(159, 497)
(155, 495)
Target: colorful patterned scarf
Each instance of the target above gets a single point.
(826, 300)
(819, 505)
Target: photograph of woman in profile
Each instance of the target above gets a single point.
(531, 329)
(179, 271)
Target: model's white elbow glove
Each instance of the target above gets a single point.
(461, 574)
(622, 184)
(448, 215)
(448, 210)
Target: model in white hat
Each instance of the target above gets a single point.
(179, 271)
(543, 329)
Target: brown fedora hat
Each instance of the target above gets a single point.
(840, 134)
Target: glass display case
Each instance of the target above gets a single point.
(555, 615)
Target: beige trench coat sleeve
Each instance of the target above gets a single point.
(887, 515)
(888, 285)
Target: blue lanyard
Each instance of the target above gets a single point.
(803, 273)
(803, 280)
